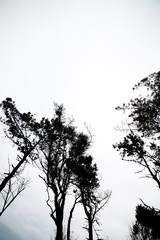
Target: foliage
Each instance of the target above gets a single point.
(62, 156)
(87, 182)
(66, 164)
(147, 224)
(61, 145)
(17, 127)
(141, 145)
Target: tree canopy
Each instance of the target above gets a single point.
(147, 224)
(17, 128)
(141, 145)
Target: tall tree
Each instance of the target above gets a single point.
(59, 138)
(17, 127)
(141, 145)
(87, 182)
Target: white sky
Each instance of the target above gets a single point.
(87, 55)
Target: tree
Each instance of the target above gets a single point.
(59, 139)
(140, 232)
(141, 146)
(66, 165)
(17, 127)
(147, 224)
(92, 204)
(87, 182)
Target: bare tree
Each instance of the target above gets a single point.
(92, 207)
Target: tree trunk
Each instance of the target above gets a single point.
(59, 223)
(58, 220)
(12, 173)
(90, 229)
(16, 168)
(59, 233)
(69, 220)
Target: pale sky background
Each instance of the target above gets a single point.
(87, 55)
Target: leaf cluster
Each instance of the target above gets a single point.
(18, 126)
(147, 223)
(141, 144)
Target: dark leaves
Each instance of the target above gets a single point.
(141, 145)
(132, 145)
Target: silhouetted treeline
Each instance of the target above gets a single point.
(60, 151)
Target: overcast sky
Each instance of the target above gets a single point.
(88, 55)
